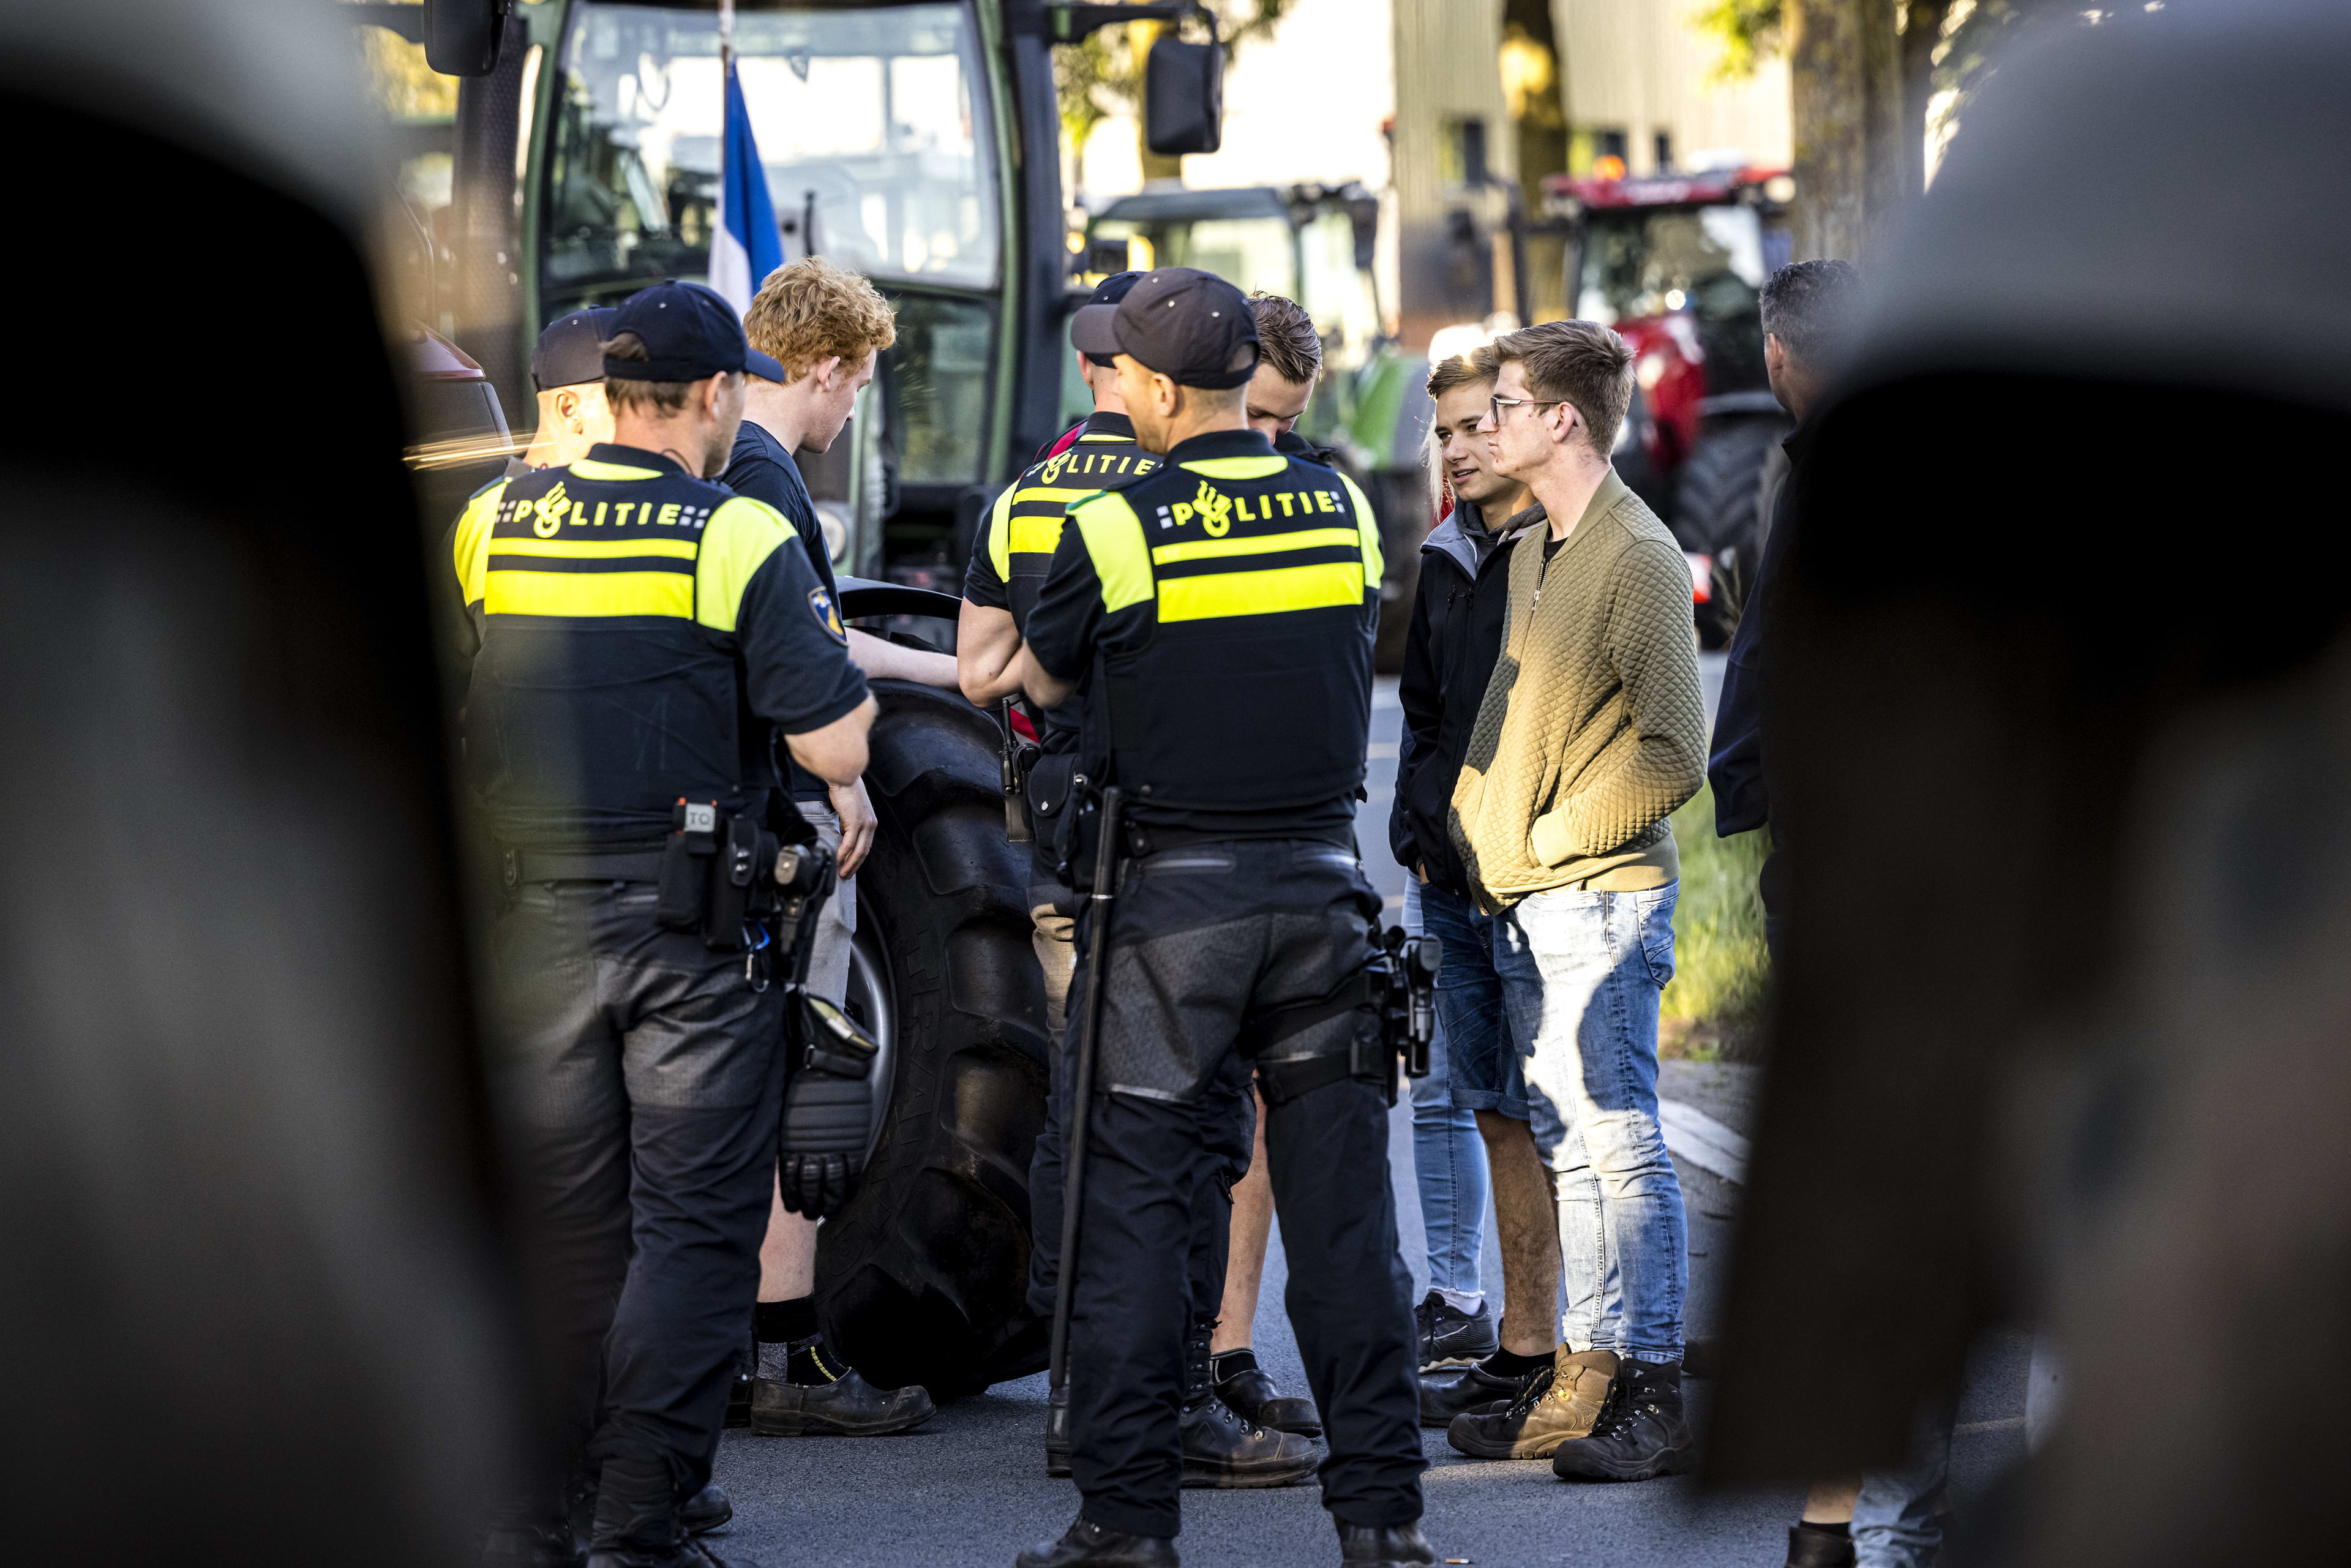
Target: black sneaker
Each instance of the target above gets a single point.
(1383, 1546)
(1641, 1433)
(845, 1406)
(1448, 1393)
(1086, 1545)
(1451, 1337)
(1226, 1450)
(1246, 1387)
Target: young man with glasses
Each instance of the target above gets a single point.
(1590, 735)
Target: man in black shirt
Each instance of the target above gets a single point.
(826, 328)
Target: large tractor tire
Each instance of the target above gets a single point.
(1715, 512)
(922, 1279)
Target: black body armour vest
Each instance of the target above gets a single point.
(1240, 593)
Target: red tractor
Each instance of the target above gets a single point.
(1674, 262)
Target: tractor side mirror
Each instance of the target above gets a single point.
(461, 36)
(1184, 94)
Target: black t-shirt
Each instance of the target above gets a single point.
(761, 468)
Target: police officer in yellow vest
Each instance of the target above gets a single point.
(638, 633)
(1221, 1447)
(1220, 612)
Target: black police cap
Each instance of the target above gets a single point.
(1187, 325)
(1109, 291)
(689, 332)
(571, 350)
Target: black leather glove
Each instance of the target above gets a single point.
(827, 1110)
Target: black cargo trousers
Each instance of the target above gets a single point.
(642, 1081)
(1218, 951)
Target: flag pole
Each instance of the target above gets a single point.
(726, 44)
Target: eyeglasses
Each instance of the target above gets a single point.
(1497, 404)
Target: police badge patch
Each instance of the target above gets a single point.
(827, 615)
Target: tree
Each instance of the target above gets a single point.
(1102, 75)
(1864, 77)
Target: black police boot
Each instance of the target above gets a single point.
(1382, 1545)
(1445, 1394)
(1249, 1393)
(817, 1396)
(1089, 1543)
(1223, 1449)
(1820, 1546)
(707, 1510)
(638, 1522)
(1642, 1432)
(1451, 1337)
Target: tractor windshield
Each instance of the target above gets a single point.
(870, 121)
(1650, 261)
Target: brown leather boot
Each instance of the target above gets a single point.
(1535, 1425)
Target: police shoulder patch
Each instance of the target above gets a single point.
(828, 614)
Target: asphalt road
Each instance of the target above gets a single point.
(969, 1487)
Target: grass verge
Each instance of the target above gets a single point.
(1714, 1006)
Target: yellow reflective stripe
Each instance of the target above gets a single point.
(592, 548)
(740, 536)
(1115, 542)
(588, 593)
(999, 540)
(1263, 544)
(1238, 467)
(587, 468)
(1122, 440)
(1375, 567)
(1039, 536)
(1268, 592)
(471, 547)
(1048, 492)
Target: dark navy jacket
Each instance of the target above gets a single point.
(1742, 797)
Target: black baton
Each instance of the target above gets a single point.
(1074, 1155)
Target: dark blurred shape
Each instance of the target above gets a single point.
(461, 36)
(2063, 758)
(248, 1312)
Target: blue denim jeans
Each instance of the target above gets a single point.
(1582, 973)
(1482, 1069)
(1898, 1520)
(1448, 1157)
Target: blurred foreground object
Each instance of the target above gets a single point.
(249, 1314)
(2065, 729)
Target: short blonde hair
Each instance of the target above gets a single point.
(1460, 371)
(810, 310)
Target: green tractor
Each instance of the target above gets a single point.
(1312, 243)
(917, 143)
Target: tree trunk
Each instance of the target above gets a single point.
(1846, 90)
(1922, 29)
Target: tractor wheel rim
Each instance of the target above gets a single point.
(873, 1004)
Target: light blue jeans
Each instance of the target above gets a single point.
(1447, 1156)
(1898, 1520)
(1582, 973)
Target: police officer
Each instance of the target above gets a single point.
(637, 631)
(1222, 611)
(567, 368)
(1009, 561)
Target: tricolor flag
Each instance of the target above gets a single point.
(745, 247)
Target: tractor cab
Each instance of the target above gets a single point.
(1675, 264)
